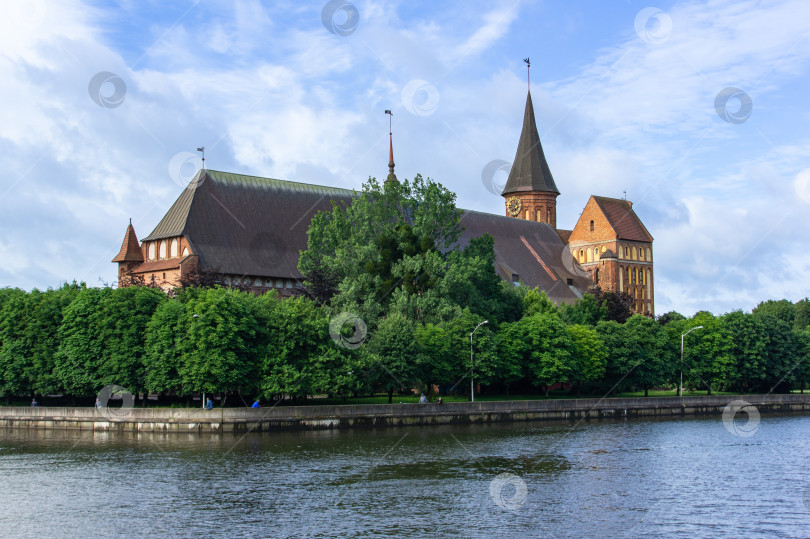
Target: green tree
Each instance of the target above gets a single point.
(390, 352)
(586, 311)
(801, 313)
(224, 340)
(551, 349)
(640, 354)
(781, 309)
(589, 357)
(749, 338)
(167, 347)
(78, 363)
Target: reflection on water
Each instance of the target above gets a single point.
(678, 478)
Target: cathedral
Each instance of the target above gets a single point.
(250, 231)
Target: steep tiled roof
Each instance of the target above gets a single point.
(564, 235)
(530, 170)
(159, 265)
(623, 219)
(246, 225)
(130, 248)
(533, 251)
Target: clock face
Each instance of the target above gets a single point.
(513, 206)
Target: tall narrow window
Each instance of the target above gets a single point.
(173, 249)
(163, 249)
(621, 279)
(539, 215)
(581, 256)
(591, 225)
(548, 216)
(151, 251)
(632, 275)
(596, 276)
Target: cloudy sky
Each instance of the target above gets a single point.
(697, 109)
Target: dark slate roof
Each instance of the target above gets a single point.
(130, 248)
(623, 219)
(246, 225)
(564, 234)
(533, 251)
(530, 170)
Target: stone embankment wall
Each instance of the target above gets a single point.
(239, 420)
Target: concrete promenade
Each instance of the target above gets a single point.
(237, 420)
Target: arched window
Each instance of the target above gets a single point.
(548, 216)
(640, 276)
(634, 255)
(539, 215)
(185, 251)
(151, 251)
(591, 225)
(649, 255)
(632, 275)
(581, 256)
(528, 218)
(603, 249)
(589, 255)
(620, 251)
(163, 249)
(596, 253)
(173, 249)
(627, 252)
(621, 279)
(643, 295)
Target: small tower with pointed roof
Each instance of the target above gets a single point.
(530, 191)
(129, 256)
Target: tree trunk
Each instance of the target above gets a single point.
(708, 391)
(547, 390)
(646, 392)
(390, 396)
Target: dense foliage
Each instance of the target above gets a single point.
(394, 300)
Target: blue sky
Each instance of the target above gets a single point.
(624, 94)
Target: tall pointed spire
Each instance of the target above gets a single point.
(530, 171)
(391, 176)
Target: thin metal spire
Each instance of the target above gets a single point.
(391, 175)
(202, 149)
(528, 73)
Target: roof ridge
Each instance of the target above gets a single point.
(224, 176)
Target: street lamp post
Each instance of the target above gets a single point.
(472, 364)
(680, 392)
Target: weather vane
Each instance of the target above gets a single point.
(202, 149)
(390, 116)
(528, 73)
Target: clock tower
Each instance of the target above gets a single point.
(530, 191)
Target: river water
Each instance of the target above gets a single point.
(684, 478)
